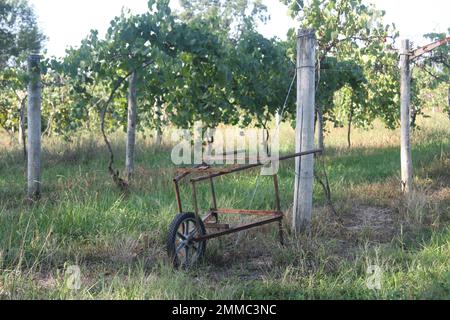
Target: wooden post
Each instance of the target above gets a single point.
(405, 97)
(34, 128)
(131, 130)
(304, 167)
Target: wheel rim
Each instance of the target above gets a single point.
(187, 251)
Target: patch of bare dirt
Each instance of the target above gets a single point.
(375, 223)
(441, 195)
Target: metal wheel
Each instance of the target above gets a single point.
(183, 251)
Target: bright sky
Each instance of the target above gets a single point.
(66, 22)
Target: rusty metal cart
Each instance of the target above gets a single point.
(189, 232)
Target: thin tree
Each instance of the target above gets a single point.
(131, 132)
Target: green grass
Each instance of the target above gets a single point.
(118, 241)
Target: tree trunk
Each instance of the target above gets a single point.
(22, 130)
(265, 142)
(350, 122)
(159, 131)
(21, 124)
(209, 142)
(88, 119)
(34, 128)
(448, 110)
(131, 132)
(48, 128)
(278, 119)
(304, 167)
(159, 137)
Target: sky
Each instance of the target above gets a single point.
(67, 22)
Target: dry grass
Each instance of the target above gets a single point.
(119, 240)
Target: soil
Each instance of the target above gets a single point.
(376, 222)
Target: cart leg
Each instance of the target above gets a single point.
(196, 208)
(178, 197)
(214, 200)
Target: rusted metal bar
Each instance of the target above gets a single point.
(181, 176)
(207, 170)
(195, 201)
(213, 194)
(251, 166)
(248, 212)
(217, 226)
(214, 200)
(178, 196)
(240, 228)
(184, 172)
(300, 154)
(208, 217)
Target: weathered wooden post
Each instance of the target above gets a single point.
(405, 97)
(131, 130)
(304, 167)
(34, 127)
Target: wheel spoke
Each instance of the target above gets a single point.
(187, 256)
(180, 247)
(187, 229)
(182, 236)
(193, 232)
(183, 227)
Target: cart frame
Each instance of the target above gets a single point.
(211, 221)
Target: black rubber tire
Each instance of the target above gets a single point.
(173, 236)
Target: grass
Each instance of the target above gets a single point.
(118, 241)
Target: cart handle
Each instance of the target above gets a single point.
(251, 166)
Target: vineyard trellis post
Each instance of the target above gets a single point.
(34, 127)
(405, 97)
(304, 167)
